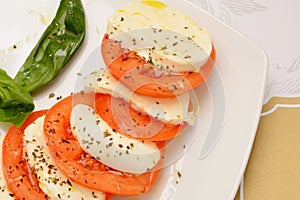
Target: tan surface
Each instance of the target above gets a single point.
(273, 171)
(280, 100)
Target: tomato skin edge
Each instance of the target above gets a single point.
(15, 168)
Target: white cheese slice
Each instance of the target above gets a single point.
(110, 147)
(165, 36)
(172, 110)
(53, 183)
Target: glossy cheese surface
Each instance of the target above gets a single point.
(166, 37)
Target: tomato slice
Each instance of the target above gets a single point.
(120, 116)
(78, 165)
(141, 77)
(20, 180)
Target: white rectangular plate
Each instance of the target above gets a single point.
(230, 102)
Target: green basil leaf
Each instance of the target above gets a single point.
(58, 44)
(15, 102)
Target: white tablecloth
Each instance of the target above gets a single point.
(274, 25)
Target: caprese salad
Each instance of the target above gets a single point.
(110, 138)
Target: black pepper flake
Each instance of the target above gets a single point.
(51, 95)
(134, 41)
(122, 19)
(57, 155)
(58, 98)
(106, 134)
(52, 131)
(65, 141)
(94, 195)
(164, 48)
(125, 58)
(179, 174)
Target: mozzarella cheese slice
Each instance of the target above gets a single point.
(109, 147)
(173, 110)
(167, 37)
(4, 192)
(51, 180)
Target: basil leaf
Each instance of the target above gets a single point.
(15, 102)
(58, 44)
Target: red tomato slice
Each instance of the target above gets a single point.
(140, 76)
(120, 116)
(20, 180)
(78, 165)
